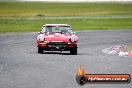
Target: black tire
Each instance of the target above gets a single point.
(40, 50)
(73, 51)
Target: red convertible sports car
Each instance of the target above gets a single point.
(57, 37)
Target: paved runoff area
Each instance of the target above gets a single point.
(22, 67)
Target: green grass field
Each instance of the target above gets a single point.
(30, 16)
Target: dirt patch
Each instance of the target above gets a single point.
(120, 50)
(126, 48)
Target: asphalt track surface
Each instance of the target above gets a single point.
(22, 67)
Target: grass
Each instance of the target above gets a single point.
(20, 9)
(30, 16)
(27, 25)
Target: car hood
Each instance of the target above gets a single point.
(57, 37)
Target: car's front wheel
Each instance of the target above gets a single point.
(40, 50)
(73, 51)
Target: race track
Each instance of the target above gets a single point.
(22, 67)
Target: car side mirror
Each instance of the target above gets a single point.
(74, 32)
(40, 32)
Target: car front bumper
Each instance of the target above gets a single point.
(57, 46)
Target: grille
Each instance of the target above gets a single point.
(58, 43)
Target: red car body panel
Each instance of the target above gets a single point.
(58, 37)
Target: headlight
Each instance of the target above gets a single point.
(73, 39)
(41, 37)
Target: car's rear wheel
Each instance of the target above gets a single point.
(40, 50)
(73, 51)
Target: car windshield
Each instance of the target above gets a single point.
(58, 29)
